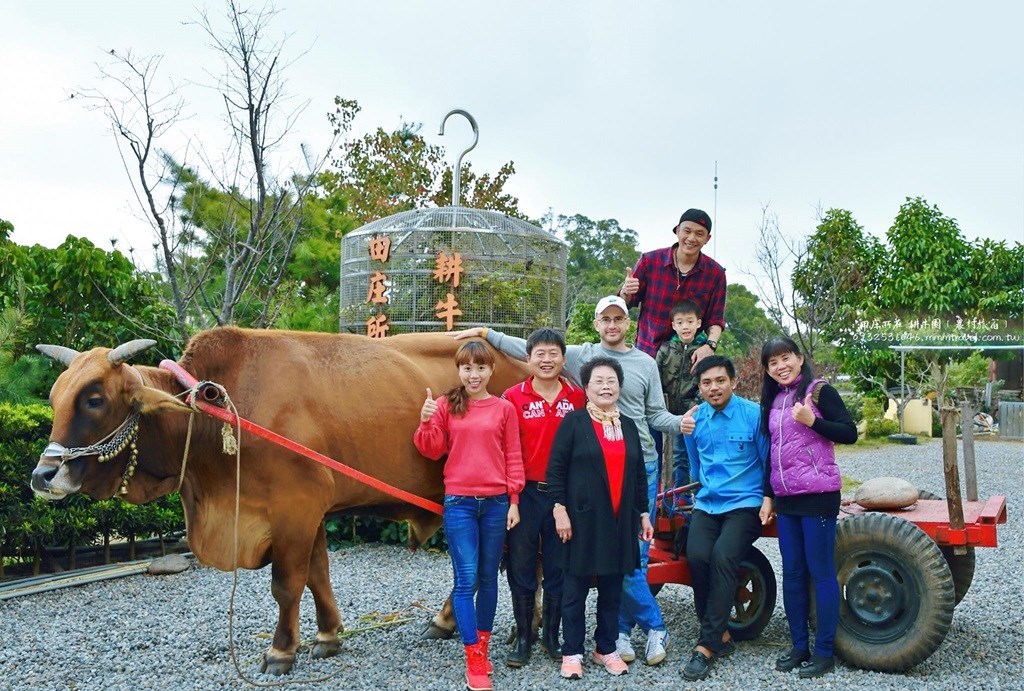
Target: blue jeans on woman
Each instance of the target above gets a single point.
(475, 529)
(638, 606)
(808, 545)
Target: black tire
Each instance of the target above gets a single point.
(960, 565)
(896, 593)
(756, 591)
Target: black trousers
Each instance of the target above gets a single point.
(574, 601)
(715, 546)
(534, 534)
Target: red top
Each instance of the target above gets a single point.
(539, 420)
(484, 458)
(614, 463)
(662, 286)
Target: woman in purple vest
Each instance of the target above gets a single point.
(804, 417)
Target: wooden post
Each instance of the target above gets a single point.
(970, 470)
(954, 501)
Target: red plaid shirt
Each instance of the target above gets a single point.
(662, 286)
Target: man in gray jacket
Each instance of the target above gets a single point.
(642, 400)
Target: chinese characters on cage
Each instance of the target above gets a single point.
(379, 292)
(448, 269)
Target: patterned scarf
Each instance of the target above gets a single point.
(609, 421)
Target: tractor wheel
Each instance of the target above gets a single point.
(960, 565)
(755, 597)
(756, 592)
(896, 593)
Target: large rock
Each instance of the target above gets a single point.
(172, 563)
(886, 493)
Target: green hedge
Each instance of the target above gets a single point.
(29, 524)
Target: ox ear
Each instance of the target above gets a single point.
(149, 400)
(126, 351)
(58, 353)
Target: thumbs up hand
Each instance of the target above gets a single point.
(802, 412)
(631, 286)
(688, 424)
(429, 406)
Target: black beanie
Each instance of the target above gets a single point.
(697, 216)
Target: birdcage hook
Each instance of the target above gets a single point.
(457, 174)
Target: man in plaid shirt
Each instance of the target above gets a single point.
(667, 276)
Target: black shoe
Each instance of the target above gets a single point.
(699, 667)
(728, 648)
(522, 609)
(817, 666)
(791, 660)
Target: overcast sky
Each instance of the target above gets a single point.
(609, 109)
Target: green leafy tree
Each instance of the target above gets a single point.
(747, 324)
(599, 254)
(927, 272)
(80, 296)
(384, 173)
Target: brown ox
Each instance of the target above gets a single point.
(349, 397)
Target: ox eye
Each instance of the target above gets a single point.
(94, 401)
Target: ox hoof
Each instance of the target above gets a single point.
(276, 666)
(322, 649)
(433, 632)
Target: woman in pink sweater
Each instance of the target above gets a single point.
(483, 476)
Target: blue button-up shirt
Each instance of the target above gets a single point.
(728, 456)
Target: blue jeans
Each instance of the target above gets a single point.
(534, 535)
(808, 545)
(680, 463)
(475, 529)
(638, 606)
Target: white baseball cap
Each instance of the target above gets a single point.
(610, 301)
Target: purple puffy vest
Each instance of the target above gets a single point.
(802, 461)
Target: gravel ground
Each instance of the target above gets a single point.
(146, 632)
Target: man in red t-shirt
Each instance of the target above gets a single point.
(541, 402)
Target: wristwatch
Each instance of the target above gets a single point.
(712, 343)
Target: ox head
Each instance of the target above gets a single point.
(96, 403)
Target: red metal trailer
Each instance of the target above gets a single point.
(901, 573)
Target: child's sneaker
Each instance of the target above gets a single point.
(624, 647)
(657, 642)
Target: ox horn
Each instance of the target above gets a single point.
(58, 353)
(128, 350)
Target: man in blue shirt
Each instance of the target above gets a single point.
(728, 456)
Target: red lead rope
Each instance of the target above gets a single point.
(191, 382)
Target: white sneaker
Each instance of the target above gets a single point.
(624, 647)
(657, 642)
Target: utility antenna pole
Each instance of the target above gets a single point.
(714, 215)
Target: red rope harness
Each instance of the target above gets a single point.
(191, 382)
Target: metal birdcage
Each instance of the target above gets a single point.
(512, 273)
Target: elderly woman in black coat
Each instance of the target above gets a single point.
(598, 486)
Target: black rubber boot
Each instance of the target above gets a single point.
(522, 610)
(551, 618)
